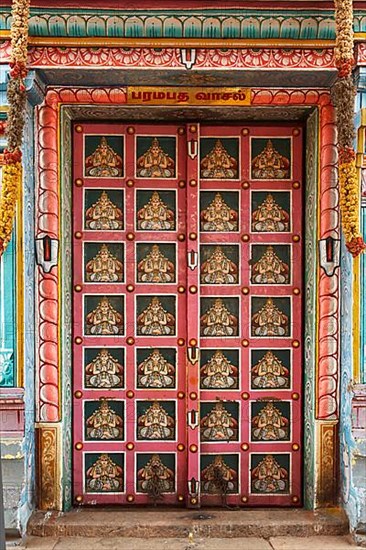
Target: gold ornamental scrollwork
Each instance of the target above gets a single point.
(48, 467)
(327, 459)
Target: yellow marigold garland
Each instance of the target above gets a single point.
(12, 169)
(344, 93)
(11, 182)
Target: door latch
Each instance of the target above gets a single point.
(193, 354)
(193, 487)
(192, 260)
(192, 148)
(192, 419)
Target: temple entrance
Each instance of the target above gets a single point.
(187, 314)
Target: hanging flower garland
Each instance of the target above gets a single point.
(344, 92)
(12, 169)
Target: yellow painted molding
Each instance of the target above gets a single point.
(317, 274)
(356, 325)
(356, 267)
(363, 123)
(360, 36)
(20, 290)
(112, 42)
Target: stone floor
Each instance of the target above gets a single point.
(189, 543)
(178, 523)
(182, 529)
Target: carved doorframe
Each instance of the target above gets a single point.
(53, 289)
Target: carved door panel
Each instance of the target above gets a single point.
(129, 313)
(250, 315)
(187, 314)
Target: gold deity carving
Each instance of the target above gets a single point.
(155, 320)
(219, 373)
(218, 321)
(104, 267)
(104, 476)
(269, 217)
(155, 268)
(270, 373)
(219, 164)
(104, 423)
(103, 215)
(218, 216)
(269, 476)
(104, 371)
(270, 164)
(155, 477)
(270, 269)
(270, 321)
(219, 425)
(218, 475)
(218, 269)
(104, 162)
(269, 424)
(155, 423)
(155, 163)
(155, 372)
(104, 319)
(155, 215)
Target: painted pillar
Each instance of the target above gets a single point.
(17, 301)
(353, 387)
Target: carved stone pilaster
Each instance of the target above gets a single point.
(327, 459)
(48, 466)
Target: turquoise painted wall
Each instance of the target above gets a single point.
(7, 317)
(7, 292)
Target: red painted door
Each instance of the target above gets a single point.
(187, 314)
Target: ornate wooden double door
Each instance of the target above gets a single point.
(187, 313)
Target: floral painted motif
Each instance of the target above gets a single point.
(170, 58)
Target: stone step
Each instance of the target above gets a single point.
(174, 523)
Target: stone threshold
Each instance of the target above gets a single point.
(179, 523)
